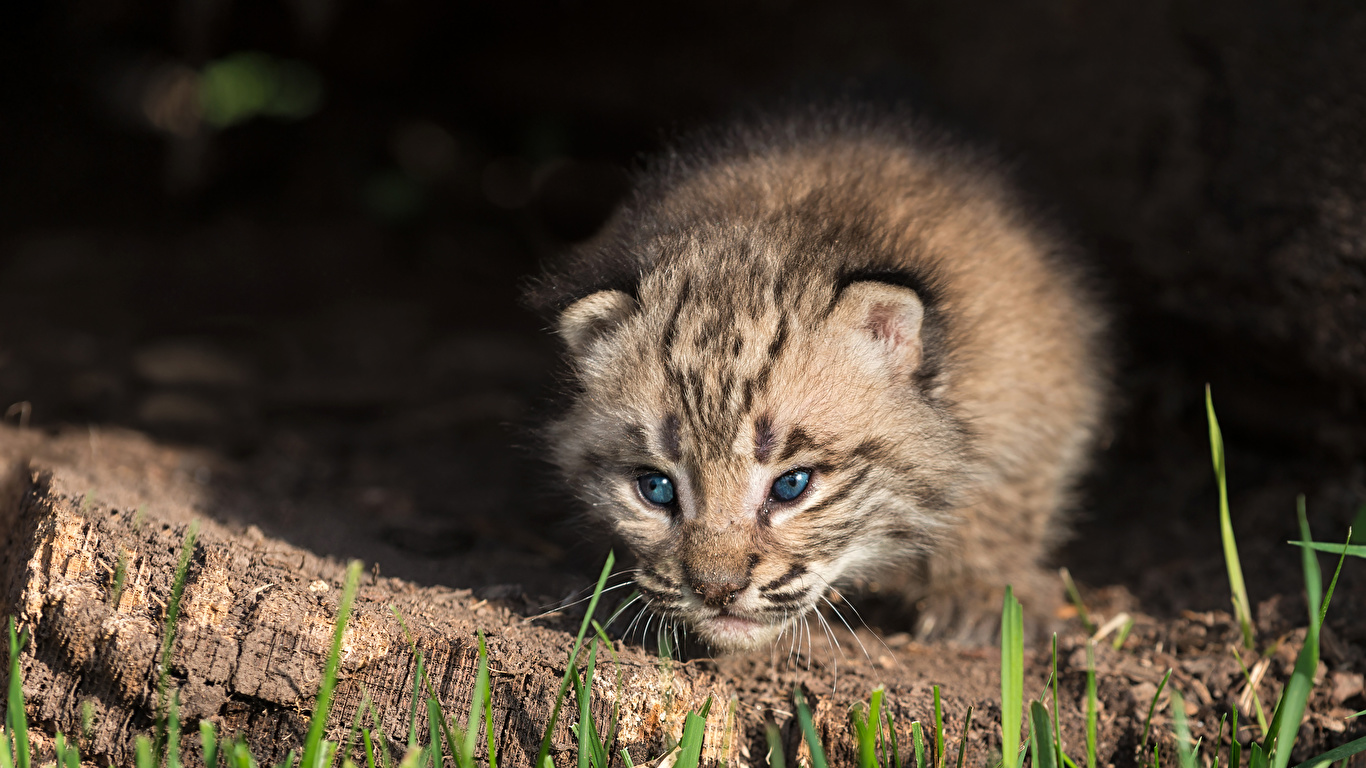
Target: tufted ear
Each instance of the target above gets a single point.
(888, 318)
(590, 317)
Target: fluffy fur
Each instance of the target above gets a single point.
(850, 296)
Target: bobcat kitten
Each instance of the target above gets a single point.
(819, 348)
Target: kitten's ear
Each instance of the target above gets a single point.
(888, 318)
(591, 316)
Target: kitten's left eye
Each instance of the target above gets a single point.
(790, 485)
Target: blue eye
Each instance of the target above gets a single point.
(791, 485)
(657, 488)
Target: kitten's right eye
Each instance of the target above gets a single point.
(656, 488)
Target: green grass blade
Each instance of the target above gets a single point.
(1290, 709)
(875, 721)
(483, 675)
(1012, 678)
(435, 728)
(1074, 596)
(168, 635)
(314, 754)
(626, 759)
(1092, 708)
(1341, 753)
(418, 675)
(477, 699)
(1355, 550)
(690, 746)
(369, 748)
(963, 740)
(583, 692)
(1057, 727)
(1152, 706)
(938, 730)
(14, 707)
(1219, 739)
(895, 762)
(6, 757)
(208, 739)
(1235, 750)
(1333, 583)
(544, 754)
(142, 752)
(813, 741)
(776, 758)
(355, 724)
(1042, 742)
(918, 742)
(1184, 751)
(1242, 608)
(173, 733)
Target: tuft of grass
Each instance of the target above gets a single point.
(1152, 705)
(1012, 678)
(168, 635)
(694, 730)
(543, 756)
(1242, 608)
(16, 740)
(867, 724)
(316, 754)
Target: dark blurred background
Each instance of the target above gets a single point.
(294, 232)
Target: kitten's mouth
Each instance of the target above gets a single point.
(735, 632)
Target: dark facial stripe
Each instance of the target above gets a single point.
(797, 441)
(794, 572)
(839, 495)
(788, 598)
(669, 439)
(764, 439)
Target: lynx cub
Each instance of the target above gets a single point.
(820, 348)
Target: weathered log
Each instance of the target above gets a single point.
(257, 619)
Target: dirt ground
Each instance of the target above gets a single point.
(331, 316)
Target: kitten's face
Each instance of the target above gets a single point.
(754, 452)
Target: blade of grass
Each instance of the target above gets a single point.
(626, 758)
(813, 742)
(1242, 608)
(1091, 706)
(208, 739)
(412, 709)
(543, 755)
(938, 730)
(1290, 709)
(1333, 583)
(173, 732)
(963, 740)
(478, 696)
(776, 758)
(6, 757)
(369, 748)
(875, 720)
(1152, 705)
(1341, 753)
(1219, 739)
(918, 741)
(168, 635)
(314, 754)
(14, 706)
(488, 702)
(694, 729)
(142, 752)
(1042, 742)
(1355, 550)
(1074, 595)
(1184, 752)
(1012, 678)
(1235, 749)
(1057, 727)
(895, 762)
